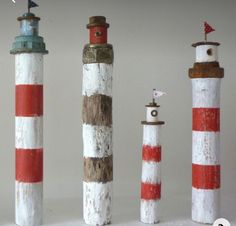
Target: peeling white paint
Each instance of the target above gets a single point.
(29, 132)
(205, 145)
(205, 205)
(206, 92)
(29, 68)
(151, 135)
(150, 211)
(29, 203)
(97, 201)
(202, 53)
(97, 141)
(97, 78)
(206, 148)
(151, 172)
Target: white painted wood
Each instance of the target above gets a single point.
(206, 148)
(97, 202)
(151, 117)
(150, 211)
(205, 205)
(206, 92)
(29, 68)
(29, 132)
(203, 56)
(29, 203)
(151, 172)
(151, 135)
(97, 78)
(97, 141)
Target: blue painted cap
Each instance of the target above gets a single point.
(29, 40)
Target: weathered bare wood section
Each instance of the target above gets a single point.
(97, 125)
(98, 169)
(97, 110)
(206, 70)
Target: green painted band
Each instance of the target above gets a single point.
(28, 44)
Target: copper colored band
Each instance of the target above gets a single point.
(98, 53)
(98, 169)
(206, 70)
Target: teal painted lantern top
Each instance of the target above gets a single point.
(29, 41)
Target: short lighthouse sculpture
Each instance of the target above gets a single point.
(151, 164)
(29, 49)
(97, 124)
(206, 76)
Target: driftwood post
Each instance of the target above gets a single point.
(151, 166)
(97, 124)
(29, 49)
(206, 77)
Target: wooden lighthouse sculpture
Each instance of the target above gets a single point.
(206, 76)
(97, 124)
(151, 164)
(29, 49)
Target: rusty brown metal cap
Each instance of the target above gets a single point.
(152, 104)
(97, 21)
(205, 43)
(28, 16)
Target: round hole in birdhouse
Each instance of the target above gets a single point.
(209, 52)
(98, 33)
(154, 113)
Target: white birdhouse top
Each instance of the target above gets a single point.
(206, 51)
(152, 110)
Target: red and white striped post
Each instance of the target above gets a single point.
(151, 166)
(29, 49)
(206, 79)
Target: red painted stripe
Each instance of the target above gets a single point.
(29, 100)
(98, 35)
(29, 165)
(206, 177)
(150, 191)
(206, 119)
(152, 153)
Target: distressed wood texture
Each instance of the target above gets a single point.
(97, 110)
(97, 134)
(206, 70)
(98, 169)
(29, 139)
(151, 175)
(206, 79)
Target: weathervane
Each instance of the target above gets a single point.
(31, 4)
(157, 94)
(207, 29)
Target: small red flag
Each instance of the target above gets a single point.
(208, 28)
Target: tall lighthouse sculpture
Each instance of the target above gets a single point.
(97, 124)
(151, 164)
(206, 76)
(29, 49)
